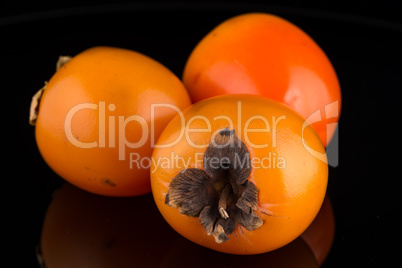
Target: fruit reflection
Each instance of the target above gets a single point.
(85, 230)
(320, 234)
(187, 254)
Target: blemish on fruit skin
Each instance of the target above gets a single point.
(107, 181)
(89, 169)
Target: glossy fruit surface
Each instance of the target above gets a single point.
(263, 54)
(100, 114)
(281, 165)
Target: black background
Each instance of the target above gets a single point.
(363, 42)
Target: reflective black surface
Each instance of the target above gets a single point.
(365, 50)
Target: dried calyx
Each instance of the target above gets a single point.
(220, 194)
(34, 109)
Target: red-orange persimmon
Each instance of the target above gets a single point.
(266, 55)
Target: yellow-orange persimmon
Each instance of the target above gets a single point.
(239, 174)
(263, 54)
(101, 109)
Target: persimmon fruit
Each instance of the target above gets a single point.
(266, 55)
(239, 173)
(100, 109)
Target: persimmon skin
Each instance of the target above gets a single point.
(110, 85)
(263, 54)
(289, 196)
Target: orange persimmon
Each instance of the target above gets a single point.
(101, 109)
(263, 54)
(239, 173)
